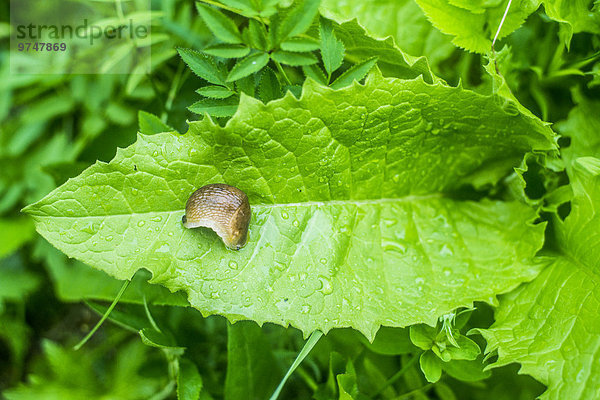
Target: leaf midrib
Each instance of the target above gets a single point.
(405, 199)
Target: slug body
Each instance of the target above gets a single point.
(224, 209)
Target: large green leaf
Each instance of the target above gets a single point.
(391, 60)
(550, 326)
(577, 15)
(401, 19)
(474, 24)
(353, 224)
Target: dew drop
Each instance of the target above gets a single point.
(305, 309)
(296, 223)
(156, 219)
(233, 264)
(419, 281)
(389, 222)
(164, 248)
(395, 246)
(326, 287)
(141, 223)
(134, 191)
(214, 295)
(155, 153)
(89, 228)
(323, 261)
(580, 375)
(108, 238)
(285, 215)
(280, 266)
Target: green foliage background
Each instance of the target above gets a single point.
(426, 201)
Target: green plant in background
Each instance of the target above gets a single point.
(285, 39)
(419, 218)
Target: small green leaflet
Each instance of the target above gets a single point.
(332, 49)
(202, 65)
(219, 24)
(215, 92)
(248, 8)
(216, 107)
(347, 190)
(150, 123)
(257, 35)
(189, 381)
(293, 59)
(354, 73)
(315, 72)
(247, 66)
(298, 19)
(431, 366)
(227, 50)
(300, 44)
(270, 88)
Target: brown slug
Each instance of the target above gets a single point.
(224, 209)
